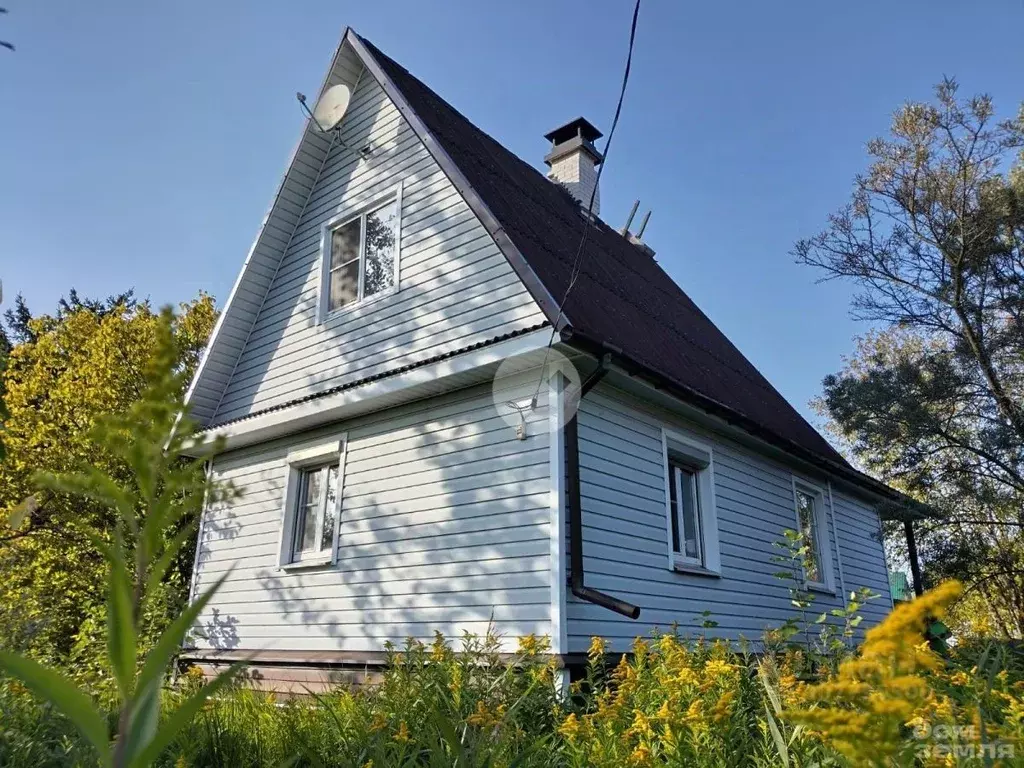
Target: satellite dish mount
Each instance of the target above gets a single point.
(329, 111)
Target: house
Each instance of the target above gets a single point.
(398, 393)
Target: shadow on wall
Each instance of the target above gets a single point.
(456, 286)
(444, 526)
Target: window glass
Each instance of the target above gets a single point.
(344, 276)
(317, 510)
(685, 503)
(805, 508)
(330, 509)
(381, 235)
(363, 255)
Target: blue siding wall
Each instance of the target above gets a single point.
(445, 525)
(626, 546)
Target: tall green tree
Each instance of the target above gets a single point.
(933, 400)
(63, 372)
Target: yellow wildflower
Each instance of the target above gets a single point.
(529, 645)
(723, 707)
(439, 648)
(597, 647)
(641, 726)
(483, 717)
(403, 733)
(378, 723)
(641, 756)
(960, 678)
(570, 727)
(695, 711)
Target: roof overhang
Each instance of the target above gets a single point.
(638, 379)
(431, 378)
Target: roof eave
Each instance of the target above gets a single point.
(893, 504)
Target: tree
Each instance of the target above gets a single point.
(63, 372)
(157, 490)
(933, 399)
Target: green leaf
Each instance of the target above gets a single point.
(780, 743)
(167, 645)
(62, 693)
(182, 716)
(143, 721)
(171, 549)
(121, 638)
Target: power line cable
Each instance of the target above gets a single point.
(577, 262)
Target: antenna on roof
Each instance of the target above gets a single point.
(629, 219)
(330, 111)
(643, 225)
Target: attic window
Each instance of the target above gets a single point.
(360, 255)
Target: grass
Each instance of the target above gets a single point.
(672, 702)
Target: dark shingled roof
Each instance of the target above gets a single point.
(623, 297)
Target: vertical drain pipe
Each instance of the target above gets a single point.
(572, 455)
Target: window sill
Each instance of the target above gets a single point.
(695, 570)
(821, 589)
(333, 316)
(302, 565)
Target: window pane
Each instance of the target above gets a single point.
(344, 285)
(345, 243)
(327, 532)
(381, 234)
(685, 504)
(305, 523)
(809, 528)
(674, 506)
(689, 516)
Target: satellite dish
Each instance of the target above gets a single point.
(332, 106)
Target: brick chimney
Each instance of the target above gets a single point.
(573, 160)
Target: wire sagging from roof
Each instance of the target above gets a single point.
(577, 262)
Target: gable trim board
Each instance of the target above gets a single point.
(229, 307)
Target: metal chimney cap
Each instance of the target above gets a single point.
(579, 127)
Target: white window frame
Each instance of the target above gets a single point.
(699, 456)
(310, 456)
(823, 544)
(324, 312)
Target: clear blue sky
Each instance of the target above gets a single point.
(140, 143)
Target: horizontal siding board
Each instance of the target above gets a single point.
(444, 526)
(456, 288)
(625, 539)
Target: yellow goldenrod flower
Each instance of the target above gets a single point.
(402, 736)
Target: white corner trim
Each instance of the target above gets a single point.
(556, 446)
(708, 506)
